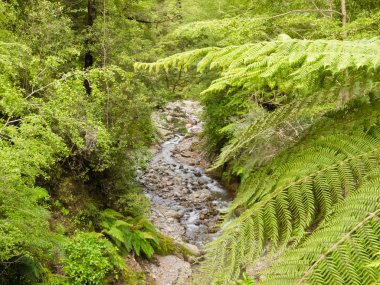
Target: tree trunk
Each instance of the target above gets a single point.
(344, 12)
(88, 58)
(179, 6)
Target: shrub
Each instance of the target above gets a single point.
(90, 258)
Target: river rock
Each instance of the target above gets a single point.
(193, 249)
(169, 270)
(174, 214)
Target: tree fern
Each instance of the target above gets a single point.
(293, 116)
(376, 265)
(288, 197)
(287, 64)
(291, 68)
(339, 251)
(285, 124)
(298, 189)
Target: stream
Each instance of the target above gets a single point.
(185, 202)
(196, 198)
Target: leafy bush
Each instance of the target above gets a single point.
(90, 258)
(133, 203)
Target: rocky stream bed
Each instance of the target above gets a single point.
(186, 203)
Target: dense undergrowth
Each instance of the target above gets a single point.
(75, 126)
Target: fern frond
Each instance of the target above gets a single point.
(137, 234)
(285, 125)
(184, 60)
(337, 252)
(270, 122)
(290, 195)
(287, 64)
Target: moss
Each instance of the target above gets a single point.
(168, 246)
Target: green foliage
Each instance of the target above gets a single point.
(238, 30)
(168, 246)
(51, 131)
(246, 280)
(90, 258)
(284, 64)
(221, 110)
(300, 166)
(338, 252)
(62, 148)
(130, 234)
(26, 152)
(375, 264)
(269, 132)
(21, 270)
(291, 195)
(279, 74)
(133, 203)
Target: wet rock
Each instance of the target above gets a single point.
(195, 196)
(212, 229)
(169, 270)
(192, 249)
(192, 121)
(174, 214)
(203, 180)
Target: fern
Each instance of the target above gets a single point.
(332, 154)
(375, 264)
(184, 60)
(287, 64)
(293, 116)
(285, 125)
(338, 252)
(296, 67)
(288, 197)
(130, 234)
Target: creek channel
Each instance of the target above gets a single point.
(186, 203)
(195, 198)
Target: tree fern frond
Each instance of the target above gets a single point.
(337, 252)
(270, 122)
(178, 60)
(289, 196)
(289, 64)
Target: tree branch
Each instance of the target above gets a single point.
(132, 18)
(299, 11)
